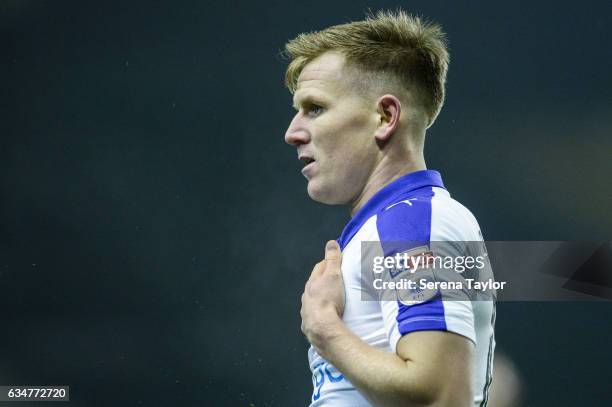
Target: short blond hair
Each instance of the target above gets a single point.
(387, 46)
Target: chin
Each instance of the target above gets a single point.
(325, 194)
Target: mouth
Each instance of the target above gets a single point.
(306, 160)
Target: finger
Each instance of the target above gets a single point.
(333, 255)
(318, 269)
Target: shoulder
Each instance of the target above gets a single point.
(408, 218)
(452, 221)
(426, 215)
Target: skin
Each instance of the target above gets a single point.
(360, 144)
(349, 136)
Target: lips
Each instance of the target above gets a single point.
(309, 164)
(306, 160)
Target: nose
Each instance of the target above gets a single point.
(296, 133)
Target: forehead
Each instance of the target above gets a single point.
(323, 74)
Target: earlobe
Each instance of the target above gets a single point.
(382, 133)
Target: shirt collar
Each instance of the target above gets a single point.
(388, 195)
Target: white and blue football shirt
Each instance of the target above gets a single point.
(413, 208)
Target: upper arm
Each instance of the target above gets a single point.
(434, 332)
(442, 363)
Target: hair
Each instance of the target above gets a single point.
(389, 48)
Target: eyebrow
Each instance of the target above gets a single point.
(305, 100)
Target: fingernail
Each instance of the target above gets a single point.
(331, 245)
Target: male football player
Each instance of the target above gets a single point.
(365, 93)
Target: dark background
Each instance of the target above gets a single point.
(155, 229)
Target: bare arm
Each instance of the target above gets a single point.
(430, 368)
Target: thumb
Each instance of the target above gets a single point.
(333, 255)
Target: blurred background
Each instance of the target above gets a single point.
(156, 231)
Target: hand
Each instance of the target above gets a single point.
(323, 297)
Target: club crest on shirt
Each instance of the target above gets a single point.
(416, 262)
(415, 296)
(412, 260)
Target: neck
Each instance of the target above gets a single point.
(385, 173)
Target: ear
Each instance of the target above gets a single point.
(389, 109)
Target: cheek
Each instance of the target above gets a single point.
(350, 161)
(356, 144)
(344, 141)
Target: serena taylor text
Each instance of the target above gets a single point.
(424, 284)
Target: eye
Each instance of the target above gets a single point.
(313, 110)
